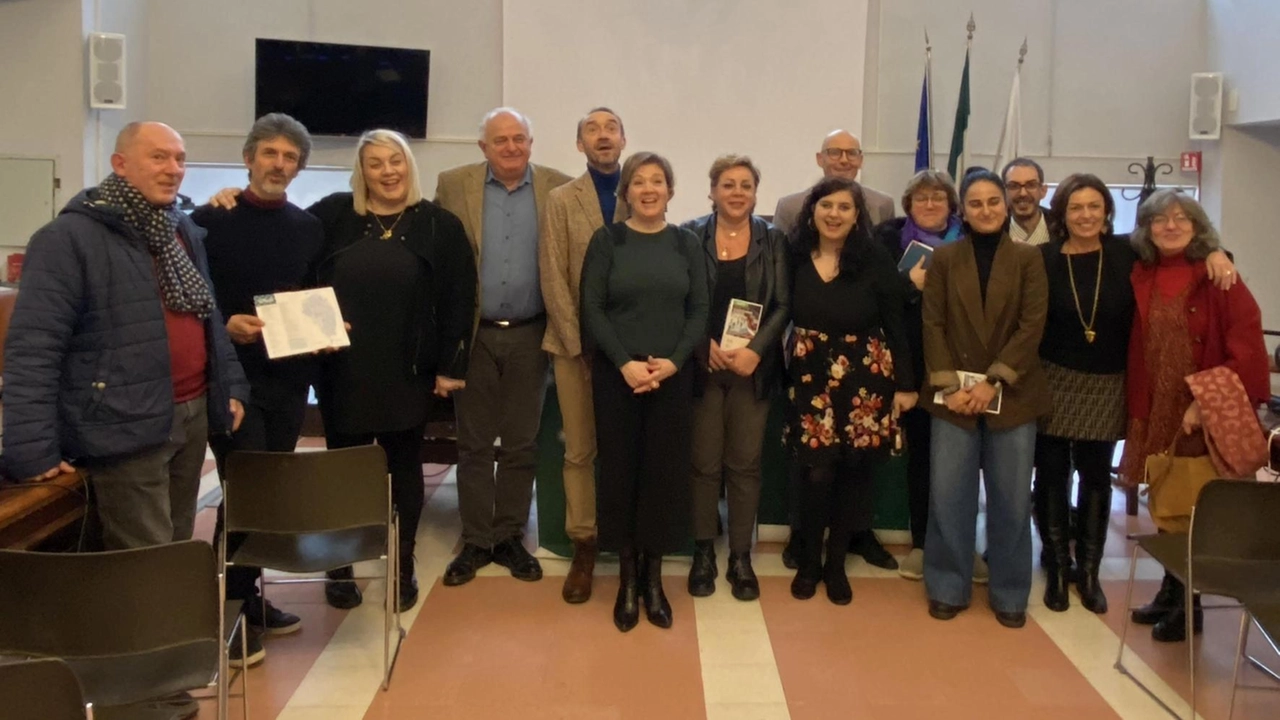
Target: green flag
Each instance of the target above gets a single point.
(961, 129)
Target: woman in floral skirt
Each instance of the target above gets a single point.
(849, 374)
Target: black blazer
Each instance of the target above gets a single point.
(889, 235)
(768, 277)
(446, 282)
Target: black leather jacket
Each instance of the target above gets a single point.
(768, 277)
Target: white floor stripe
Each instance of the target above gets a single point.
(348, 674)
(739, 673)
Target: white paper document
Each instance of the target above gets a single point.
(299, 322)
(968, 380)
(741, 324)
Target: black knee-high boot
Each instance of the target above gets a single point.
(1051, 506)
(626, 609)
(1095, 512)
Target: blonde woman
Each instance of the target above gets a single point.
(405, 279)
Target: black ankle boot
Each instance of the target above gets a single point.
(656, 607)
(1051, 512)
(1165, 601)
(1095, 513)
(408, 582)
(626, 609)
(837, 582)
(703, 574)
(742, 577)
(1173, 626)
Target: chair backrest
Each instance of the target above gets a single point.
(306, 492)
(87, 608)
(40, 690)
(1237, 520)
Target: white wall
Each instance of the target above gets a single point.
(1242, 38)
(201, 79)
(1105, 83)
(691, 81)
(42, 85)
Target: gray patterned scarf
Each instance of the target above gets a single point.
(183, 287)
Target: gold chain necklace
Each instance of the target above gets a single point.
(1089, 333)
(386, 231)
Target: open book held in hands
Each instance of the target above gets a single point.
(912, 255)
(968, 380)
(300, 322)
(741, 324)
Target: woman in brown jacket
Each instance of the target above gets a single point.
(985, 300)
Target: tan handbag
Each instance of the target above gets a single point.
(1173, 486)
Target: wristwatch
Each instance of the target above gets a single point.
(994, 382)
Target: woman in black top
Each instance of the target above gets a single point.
(1083, 353)
(405, 278)
(849, 376)
(746, 259)
(644, 308)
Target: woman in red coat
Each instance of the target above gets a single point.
(1183, 325)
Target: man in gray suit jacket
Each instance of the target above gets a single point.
(840, 156)
(502, 204)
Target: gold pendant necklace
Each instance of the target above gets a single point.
(1089, 334)
(386, 231)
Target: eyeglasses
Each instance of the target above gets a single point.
(1181, 221)
(1015, 188)
(939, 199)
(835, 153)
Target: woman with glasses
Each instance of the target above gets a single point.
(1183, 325)
(931, 204)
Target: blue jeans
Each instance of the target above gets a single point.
(1006, 458)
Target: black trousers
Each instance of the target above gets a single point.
(273, 427)
(404, 462)
(917, 423)
(644, 492)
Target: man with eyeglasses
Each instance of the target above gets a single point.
(1024, 181)
(840, 156)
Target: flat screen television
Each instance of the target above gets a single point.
(343, 89)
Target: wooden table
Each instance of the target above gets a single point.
(31, 513)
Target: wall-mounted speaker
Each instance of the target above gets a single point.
(1206, 106)
(106, 70)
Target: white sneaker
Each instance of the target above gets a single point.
(981, 573)
(912, 566)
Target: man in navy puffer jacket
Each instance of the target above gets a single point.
(117, 360)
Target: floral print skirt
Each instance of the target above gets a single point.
(841, 395)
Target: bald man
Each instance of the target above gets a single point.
(117, 361)
(840, 156)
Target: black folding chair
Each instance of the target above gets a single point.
(42, 690)
(309, 512)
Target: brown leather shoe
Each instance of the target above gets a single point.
(577, 585)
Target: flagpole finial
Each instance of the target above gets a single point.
(927, 45)
(1022, 52)
(971, 26)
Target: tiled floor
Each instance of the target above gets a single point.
(501, 648)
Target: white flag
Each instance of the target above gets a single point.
(1010, 145)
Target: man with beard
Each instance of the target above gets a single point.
(264, 245)
(1024, 181)
(574, 212)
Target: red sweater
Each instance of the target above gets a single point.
(1225, 328)
(188, 356)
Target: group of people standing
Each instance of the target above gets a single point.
(1028, 326)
